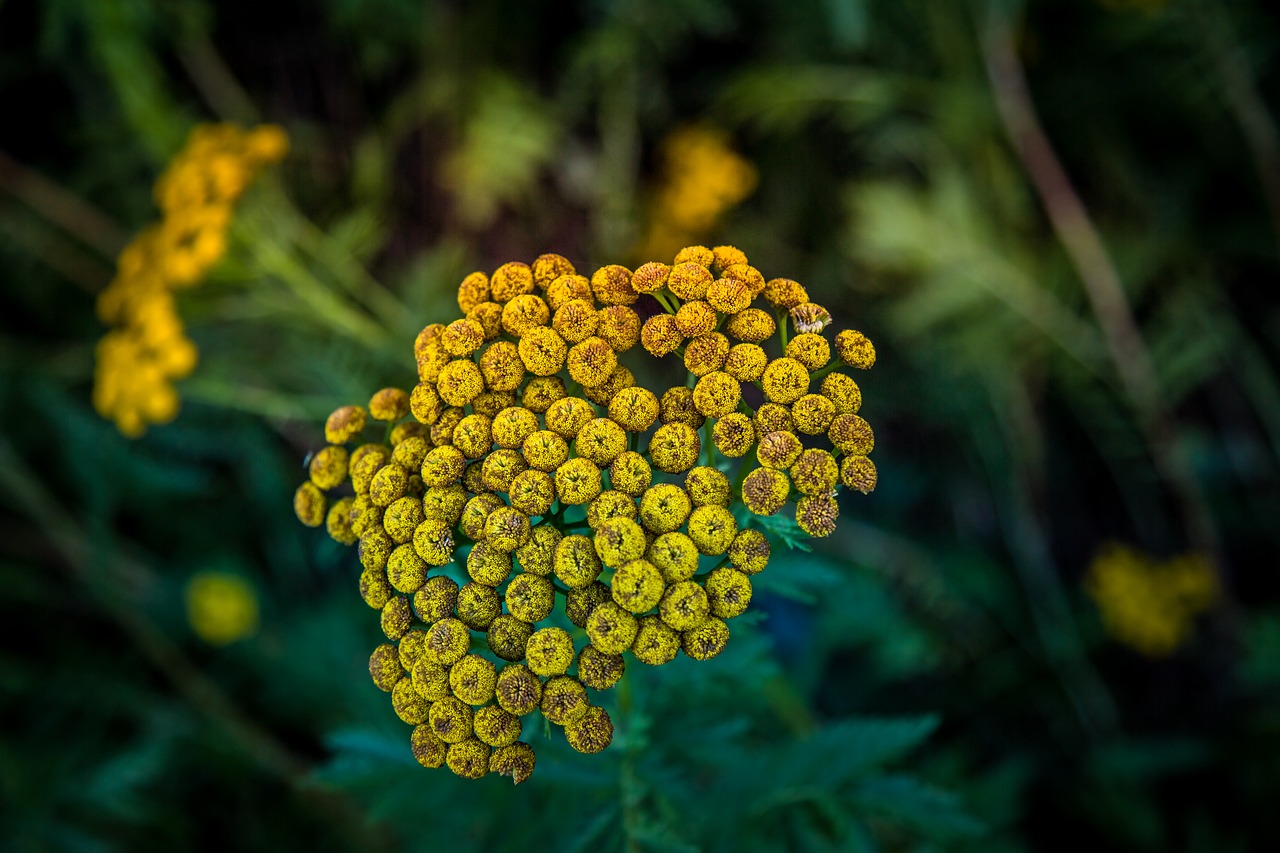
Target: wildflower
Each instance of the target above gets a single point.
(707, 640)
(664, 508)
(765, 491)
(785, 380)
(564, 700)
(1147, 605)
(728, 592)
(511, 280)
(661, 335)
(706, 353)
(656, 643)
(851, 434)
(751, 325)
(858, 472)
(855, 350)
(221, 608)
(518, 690)
(734, 435)
(611, 629)
(549, 652)
(490, 446)
(592, 733)
(684, 606)
(637, 585)
(674, 448)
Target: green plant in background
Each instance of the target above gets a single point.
(524, 435)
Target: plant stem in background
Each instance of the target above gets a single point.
(62, 207)
(1243, 99)
(1088, 255)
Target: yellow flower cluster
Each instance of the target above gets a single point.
(147, 348)
(528, 469)
(702, 178)
(1150, 607)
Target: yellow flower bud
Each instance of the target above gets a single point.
(749, 551)
(815, 472)
(460, 382)
(496, 727)
(712, 529)
(542, 350)
(656, 643)
(851, 435)
(566, 417)
(619, 541)
(728, 592)
(858, 472)
(637, 586)
(309, 504)
(591, 362)
(599, 670)
(345, 424)
(446, 642)
(765, 491)
(478, 605)
(689, 280)
(518, 690)
(675, 555)
(591, 734)
(523, 314)
(409, 706)
(785, 293)
(634, 409)
(734, 435)
(577, 481)
(500, 469)
(564, 700)
(674, 448)
(472, 679)
(436, 599)
(428, 749)
(813, 414)
(385, 668)
(530, 598)
(550, 652)
(619, 326)
(473, 290)
(696, 318)
(451, 719)
(567, 288)
(610, 628)
(532, 492)
(402, 518)
(650, 277)
(508, 637)
(511, 280)
(751, 325)
(630, 473)
(488, 565)
(660, 335)
(717, 394)
(608, 505)
(541, 392)
(612, 286)
(501, 367)
(707, 640)
(855, 350)
(537, 556)
(664, 508)
(706, 353)
(549, 267)
(338, 522)
(817, 514)
(516, 760)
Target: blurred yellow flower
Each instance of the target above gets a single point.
(1150, 607)
(221, 607)
(139, 359)
(702, 178)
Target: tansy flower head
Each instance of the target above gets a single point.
(490, 456)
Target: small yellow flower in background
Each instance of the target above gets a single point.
(702, 178)
(1150, 607)
(147, 348)
(221, 607)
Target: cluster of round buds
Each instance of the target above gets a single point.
(533, 518)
